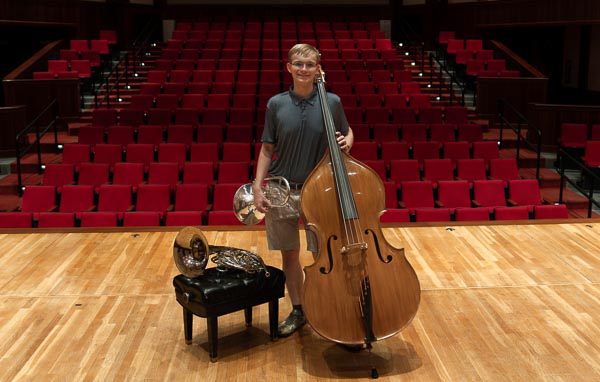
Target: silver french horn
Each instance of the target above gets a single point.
(191, 253)
(276, 189)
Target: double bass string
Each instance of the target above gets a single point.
(349, 213)
(350, 217)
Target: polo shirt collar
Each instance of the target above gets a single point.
(310, 100)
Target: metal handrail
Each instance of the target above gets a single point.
(139, 45)
(453, 79)
(595, 179)
(109, 88)
(39, 133)
(521, 121)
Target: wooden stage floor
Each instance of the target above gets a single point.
(499, 303)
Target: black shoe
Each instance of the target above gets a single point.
(292, 323)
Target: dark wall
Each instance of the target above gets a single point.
(534, 29)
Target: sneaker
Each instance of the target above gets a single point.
(292, 323)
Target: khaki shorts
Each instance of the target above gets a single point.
(283, 226)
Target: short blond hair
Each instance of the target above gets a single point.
(304, 50)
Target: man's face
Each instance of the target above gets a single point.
(303, 68)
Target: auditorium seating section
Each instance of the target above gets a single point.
(177, 151)
(470, 58)
(80, 58)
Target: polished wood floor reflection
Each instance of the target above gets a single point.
(499, 303)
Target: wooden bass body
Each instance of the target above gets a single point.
(360, 288)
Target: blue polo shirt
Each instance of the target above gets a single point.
(296, 127)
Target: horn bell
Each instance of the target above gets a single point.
(244, 208)
(276, 189)
(191, 252)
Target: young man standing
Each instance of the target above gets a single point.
(295, 134)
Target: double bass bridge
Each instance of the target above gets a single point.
(354, 253)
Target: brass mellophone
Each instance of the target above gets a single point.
(276, 189)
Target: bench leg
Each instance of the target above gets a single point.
(188, 319)
(212, 327)
(248, 315)
(273, 317)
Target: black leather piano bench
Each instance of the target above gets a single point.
(216, 293)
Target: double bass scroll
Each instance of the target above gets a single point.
(360, 289)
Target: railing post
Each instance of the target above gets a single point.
(127, 71)
(591, 198)
(519, 142)
(561, 168)
(440, 83)
(39, 147)
(134, 59)
(452, 90)
(422, 57)
(501, 119)
(55, 122)
(108, 90)
(539, 155)
(430, 69)
(118, 78)
(18, 156)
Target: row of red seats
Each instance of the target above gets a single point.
(275, 25)
(367, 94)
(224, 217)
(109, 169)
(191, 108)
(582, 140)
(477, 61)
(156, 134)
(81, 57)
(412, 132)
(577, 134)
(245, 42)
(381, 49)
(143, 112)
(385, 103)
(210, 74)
(167, 111)
(81, 46)
(236, 35)
(378, 157)
(165, 152)
(154, 206)
(151, 205)
(238, 53)
(438, 170)
(422, 150)
(206, 119)
(485, 194)
(467, 214)
(396, 162)
(264, 61)
(150, 201)
(65, 69)
(202, 82)
(134, 174)
(188, 132)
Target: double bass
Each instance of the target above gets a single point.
(360, 289)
